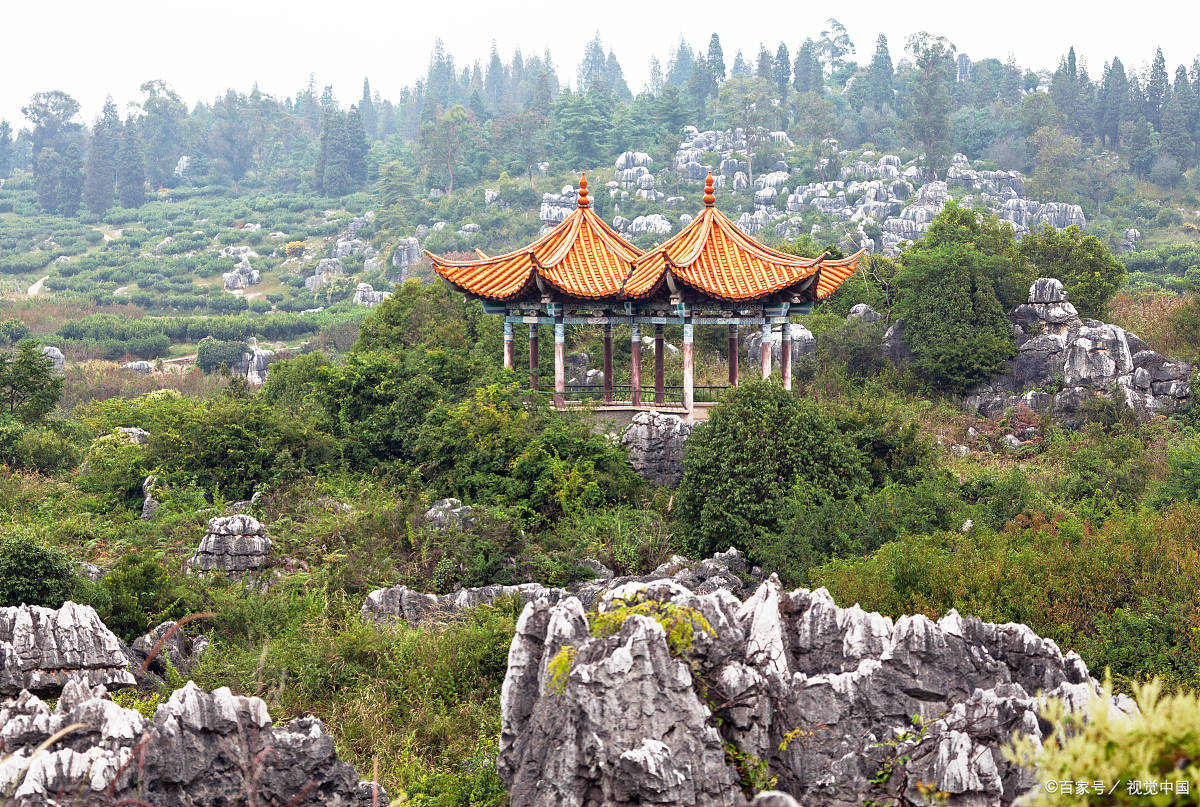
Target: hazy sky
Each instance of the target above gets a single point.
(91, 49)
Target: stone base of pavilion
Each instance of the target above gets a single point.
(622, 412)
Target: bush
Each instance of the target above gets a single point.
(137, 594)
(32, 573)
(42, 450)
(1156, 744)
(744, 464)
(215, 353)
(114, 468)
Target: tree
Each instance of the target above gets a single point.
(6, 149)
(929, 97)
(443, 143)
(835, 45)
(49, 173)
(807, 69)
(715, 59)
(230, 142)
(1113, 106)
(760, 448)
(592, 71)
(1158, 90)
(131, 168)
(1176, 134)
(29, 386)
(213, 354)
(880, 90)
(1088, 271)
(100, 182)
(356, 148)
(52, 115)
(740, 69)
(1009, 274)
(32, 573)
(781, 71)
(161, 132)
(522, 135)
(70, 181)
(744, 102)
(366, 111)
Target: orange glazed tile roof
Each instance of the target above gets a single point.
(581, 257)
(712, 255)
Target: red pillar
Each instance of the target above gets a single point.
(660, 393)
(533, 356)
(786, 355)
(608, 365)
(733, 355)
(560, 363)
(635, 369)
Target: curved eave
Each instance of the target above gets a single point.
(835, 273)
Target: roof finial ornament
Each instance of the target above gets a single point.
(709, 198)
(583, 193)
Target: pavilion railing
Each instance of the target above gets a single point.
(623, 394)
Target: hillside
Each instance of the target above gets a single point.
(235, 397)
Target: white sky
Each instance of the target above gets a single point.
(91, 48)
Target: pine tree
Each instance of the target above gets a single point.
(879, 76)
(766, 65)
(740, 68)
(808, 75)
(49, 172)
(1113, 103)
(6, 149)
(495, 82)
(1176, 137)
(70, 181)
(615, 78)
(781, 70)
(592, 72)
(679, 70)
(715, 59)
(356, 147)
(1157, 90)
(100, 183)
(655, 84)
(131, 168)
(366, 111)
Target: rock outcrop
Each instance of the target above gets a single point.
(253, 364)
(234, 545)
(55, 356)
(326, 268)
(654, 442)
(242, 277)
(42, 649)
(1064, 361)
(449, 514)
(200, 749)
(365, 294)
(406, 255)
(825, 696)
(725, 570)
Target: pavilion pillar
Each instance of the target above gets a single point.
(786, 355)
(608, 366)
(660, 391)
(765, 350)
(508, 345)
(688, 379)
(733, 355)
(635, 369)
(533, 356)
(560, 363)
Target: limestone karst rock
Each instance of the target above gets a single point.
(406, 255)
(449, 514)
(326, 268)
(243, 276)
(200, 749)
(41, 649)
(365, 294)
(725, 570)
(1063, 361)
(253, 364)
(629, 720)
(55, 356)
(654, 442)
(233, 544)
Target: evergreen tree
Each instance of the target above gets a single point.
(356, 148)
(366, 111)
(49, 173)
(495, 82)
(1157, 90)
(6, 149)
(100, 183)
(615, 78)
(701, 86)
(740, 68)
(162, 132)
(765, 68)
(131, 169)
(592, 73)
(70, 181)
(782, 70)
(230, 143)
(679, 70)
(1139, 139)
(880, 90)
(715, 59)
(655, 84)
(929, 96)
(1113, 103)
(808, 75)
(1176, 138)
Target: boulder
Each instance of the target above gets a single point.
(326, 269)
(365, 294)
(654, 442)
(42, 649)
(449, 514)
(199, 749)
(643, 719)
(406, 254)
(233, 544)
(139, 367)
(149, 505)
(55, 356)
(864, 312)
(253, 364)
(243, 276)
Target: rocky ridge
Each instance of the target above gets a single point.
(825, 696)
(199, 749)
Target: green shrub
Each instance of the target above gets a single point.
(212, 354)
(42, 450)
(1157, 744)
(32, 573)
(137, 594)
(114, 468)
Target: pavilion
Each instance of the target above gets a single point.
(709, 273)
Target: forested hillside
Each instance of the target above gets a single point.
(212, 307)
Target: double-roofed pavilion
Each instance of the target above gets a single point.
(709, 273)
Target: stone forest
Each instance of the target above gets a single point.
(810, 425)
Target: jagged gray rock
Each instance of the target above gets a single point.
(449, 514)
(243, 276)
(55, 356)
(174, 649)
(41, 649)
(253, 364)
(233, 544)
(1063, 361)
(365, 294)
(141, 367)
(632, 722)
(326, 268)
(200, 749)
(654, 442)
(725, 570)
(149, 504)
